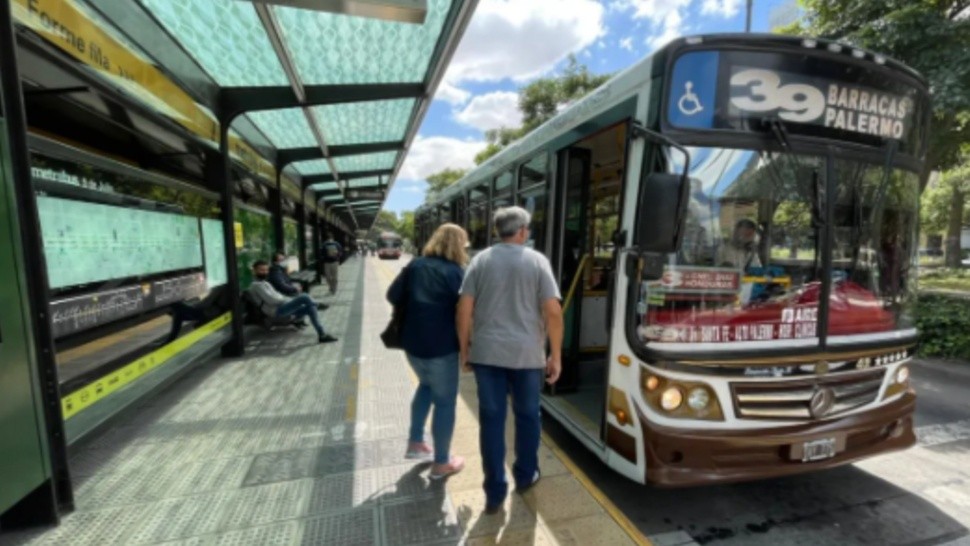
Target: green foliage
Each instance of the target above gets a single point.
(405, 226)
(937, 199)
(438, 181)
(944, 324)
(541, 100)
(932, 36)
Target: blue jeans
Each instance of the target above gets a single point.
(438, 386)
(299, 307)
(495, 384)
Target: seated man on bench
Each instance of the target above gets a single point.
(275, 304)
(284, 284)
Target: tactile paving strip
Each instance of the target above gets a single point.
(355, 528)
(420, 522)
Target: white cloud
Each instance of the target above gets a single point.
(724, 8)
(491, 111)
(429, 155)
(523, 40)
(627, 43)
(671, 28)
(452, 93)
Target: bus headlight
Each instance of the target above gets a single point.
(671, 398)
(902, 374)
(698, 398)
(679, 398)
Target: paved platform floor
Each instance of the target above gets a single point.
(301, 443)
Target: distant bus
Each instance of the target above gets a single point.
(733, 224)
(389, 246)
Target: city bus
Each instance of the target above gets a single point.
(389, 246)
(733, 225)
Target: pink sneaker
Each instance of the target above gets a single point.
(419, 450)
(454, 466)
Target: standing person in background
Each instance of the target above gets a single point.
(509, 304)
(331, 252)
(429, 288)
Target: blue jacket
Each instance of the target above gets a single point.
(281, 281)
(432, 297)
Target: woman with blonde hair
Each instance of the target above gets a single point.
(428, 287)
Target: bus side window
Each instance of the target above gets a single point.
(533, 196)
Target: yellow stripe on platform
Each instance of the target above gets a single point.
(95, 391)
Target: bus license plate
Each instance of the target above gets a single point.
(816, 450)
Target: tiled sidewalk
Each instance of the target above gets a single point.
(300, 443)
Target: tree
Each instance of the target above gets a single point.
(386, 221)
(405, 226)
(944, 210)
(932, 36)
(540, 101)
(438, 181)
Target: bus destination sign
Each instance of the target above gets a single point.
(740, 90)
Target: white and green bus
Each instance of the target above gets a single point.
(733, 224)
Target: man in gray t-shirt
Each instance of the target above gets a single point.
(509, 304)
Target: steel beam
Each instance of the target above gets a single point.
(240, 100)
(320, 178)
(287, 156)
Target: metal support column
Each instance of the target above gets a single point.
(43, 505)
(276, 209)
(236, 345)
(301, 216)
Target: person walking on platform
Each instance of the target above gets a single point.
(509, 304)
(275, 304)
(428, 289)
(331, 252)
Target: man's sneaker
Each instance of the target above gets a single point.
(326, 338)
(525, 487)
(419, 450)
(492, 509)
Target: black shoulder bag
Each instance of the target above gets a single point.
(393, 334)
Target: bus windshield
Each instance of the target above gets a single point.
(750, 265)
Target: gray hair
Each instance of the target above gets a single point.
(509, 220)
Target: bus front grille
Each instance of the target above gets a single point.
(792, 400)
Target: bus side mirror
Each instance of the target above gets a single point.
(660, 216)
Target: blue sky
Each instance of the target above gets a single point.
(512, 42)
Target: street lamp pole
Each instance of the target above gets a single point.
(747, 20)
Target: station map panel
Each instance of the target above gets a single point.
(90, 242)
(215, 253)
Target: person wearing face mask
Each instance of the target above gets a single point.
(275, 304)
(742, 250)
(282, 282)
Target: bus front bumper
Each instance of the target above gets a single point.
(684, 457)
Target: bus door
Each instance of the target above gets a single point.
(590, 176)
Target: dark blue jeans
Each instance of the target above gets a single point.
(438, 386)
(495, 384)
(299, 307)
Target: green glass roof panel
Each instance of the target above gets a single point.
(331, 48)
(286, 128)
(365, 122)
(322, 186)
(314, 166)
(332, 198)
(363, 182)
(226, 37)
(365, 162)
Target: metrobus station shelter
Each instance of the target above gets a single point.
(152, 150)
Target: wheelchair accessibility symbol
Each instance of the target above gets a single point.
(689, 104)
